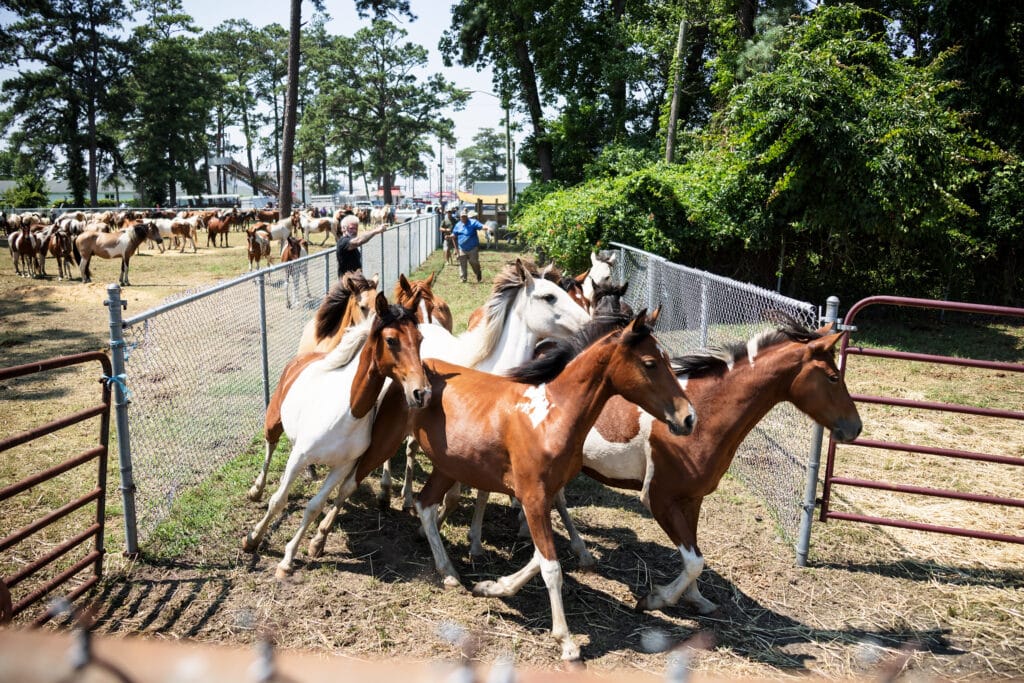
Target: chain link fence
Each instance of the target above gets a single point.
(699, 310)
(198, 370)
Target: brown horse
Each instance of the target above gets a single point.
(57, 243)
(113, 245)
(732, 388)
(526, 438)
(218, 226)
(349, 301)
(325, 404)
(418, 296)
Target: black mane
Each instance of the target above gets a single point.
(556, 354)
(719, 358)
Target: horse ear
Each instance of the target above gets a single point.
(430, 280)
(403, 282)
(593, 259)
(523, 272)
(826, 344)
(653, 317)
(381, 305)
(375, 280)
(826, 329)
(582, 276)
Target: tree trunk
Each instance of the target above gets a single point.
(746, 13)
(528, 80)
(248, 148)
(291, 108)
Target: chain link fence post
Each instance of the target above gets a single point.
(803, 543)
(264, 352)
(114, 305)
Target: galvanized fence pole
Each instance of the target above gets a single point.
(803, 543)
(264, 353)
(114, 305)
(327, 272)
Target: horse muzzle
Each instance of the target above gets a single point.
(418, 398)
(846, 431)
(685, 427)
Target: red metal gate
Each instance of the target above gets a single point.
(94, 558)
(831, 480)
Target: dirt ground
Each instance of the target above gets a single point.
(872, 601)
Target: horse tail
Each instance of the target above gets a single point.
(77, 254)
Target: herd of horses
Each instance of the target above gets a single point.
(555, 375)
(75, 237)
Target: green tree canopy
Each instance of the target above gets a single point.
(484, 159)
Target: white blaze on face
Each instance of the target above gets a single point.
(536, 405)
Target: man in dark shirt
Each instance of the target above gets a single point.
(347, 249)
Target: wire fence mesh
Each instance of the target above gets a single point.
(699, 310)
(200, 366)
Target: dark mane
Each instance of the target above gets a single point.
(720, 358)
(332, 308)
(557, 354)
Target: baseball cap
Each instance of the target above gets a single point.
(463, 213)
(472, 214)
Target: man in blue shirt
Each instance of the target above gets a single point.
(469, 243)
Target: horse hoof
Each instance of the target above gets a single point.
(570, 651)
(316, 546)
(249, 544)
(451, 582)
(587, 562)
(283, 573)
(254, 494)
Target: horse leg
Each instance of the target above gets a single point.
(384, 495)
(451, 501)
(545, 560)
(576, 542)
(426, 508)
(276, 503)
(679, 520)
(319, 540)
(411, 447)
(313, 507)
(256, 492)
(124, 271)
(476, 548)
(83, 268)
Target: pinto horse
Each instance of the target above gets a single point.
(113, 245)
(258, 249)
(600, 273)
(526, 438)
(57, 243)
(349, 301)
(294, 249)
(24, 245)
(732, 389)
(522, 310)
(324, 403)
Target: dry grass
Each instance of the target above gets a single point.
(871, 596)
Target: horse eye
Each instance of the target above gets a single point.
(833, 379)
(549, 298)
(391, 342)
(650, 362)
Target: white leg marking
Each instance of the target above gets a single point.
(428, 519)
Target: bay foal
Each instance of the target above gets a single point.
(522, 435)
